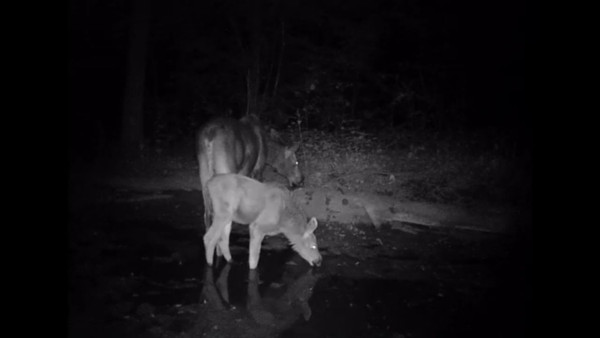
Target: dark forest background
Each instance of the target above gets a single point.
(380, 66)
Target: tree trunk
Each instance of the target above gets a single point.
(132, 133)
(253, 81)
(279, 59)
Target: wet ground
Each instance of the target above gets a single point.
(136, 269)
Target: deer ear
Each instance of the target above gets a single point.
(312, 225)
(289, 151)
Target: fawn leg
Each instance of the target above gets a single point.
(256, 237)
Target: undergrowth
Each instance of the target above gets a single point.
(460, 168)
(456, 168)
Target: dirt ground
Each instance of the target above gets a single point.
(136, 269)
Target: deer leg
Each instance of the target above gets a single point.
(207, 211)
(213, 235)
(224, 243)
(256, 238)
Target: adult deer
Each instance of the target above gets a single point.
(226, 145)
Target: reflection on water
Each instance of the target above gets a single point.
(267, 309)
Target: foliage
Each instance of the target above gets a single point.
(356, 61)
(445, 168)
(386, 96)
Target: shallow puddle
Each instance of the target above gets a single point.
(138, 269)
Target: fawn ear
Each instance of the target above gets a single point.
(312, 225)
